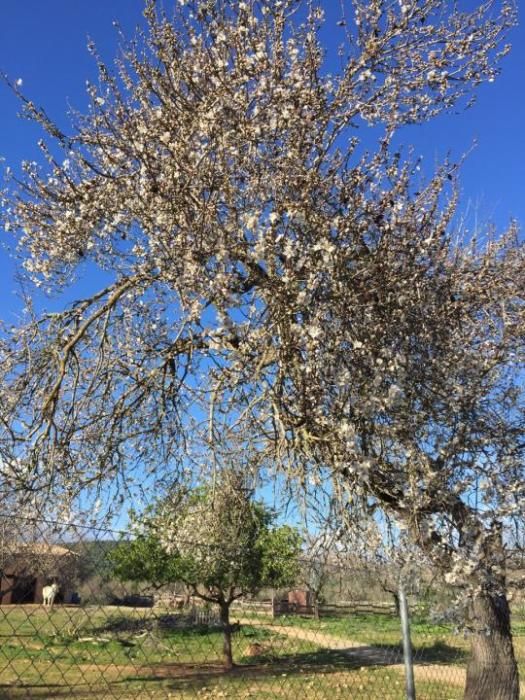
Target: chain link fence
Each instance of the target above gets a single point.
(104, 638)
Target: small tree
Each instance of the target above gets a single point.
(217, 541)
(316, 566)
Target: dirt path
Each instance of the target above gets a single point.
(366, 655)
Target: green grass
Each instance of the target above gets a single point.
(80, 652)
(367, 628)
(429, 640)
(118, 636)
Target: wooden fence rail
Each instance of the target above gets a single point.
(284, 607)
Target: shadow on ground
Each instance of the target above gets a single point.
(128, 625)
(172, 677)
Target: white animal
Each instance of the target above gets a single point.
(49, 594)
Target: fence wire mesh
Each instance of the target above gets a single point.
(98, 637)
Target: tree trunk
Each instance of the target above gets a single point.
(187, 597)
(316, 606)
(492, 672)
(227, 632)
(395, 596)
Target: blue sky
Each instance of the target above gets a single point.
(44, 44)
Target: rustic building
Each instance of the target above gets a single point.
(300, 602)
(26, 568)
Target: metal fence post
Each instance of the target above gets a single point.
(407, 644)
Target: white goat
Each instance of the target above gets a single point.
(49, 594)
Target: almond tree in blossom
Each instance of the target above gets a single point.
(263, 263)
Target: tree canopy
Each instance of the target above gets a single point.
(217, 540)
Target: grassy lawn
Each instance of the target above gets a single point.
(381, 630)
(82, 652)
(377, 629)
